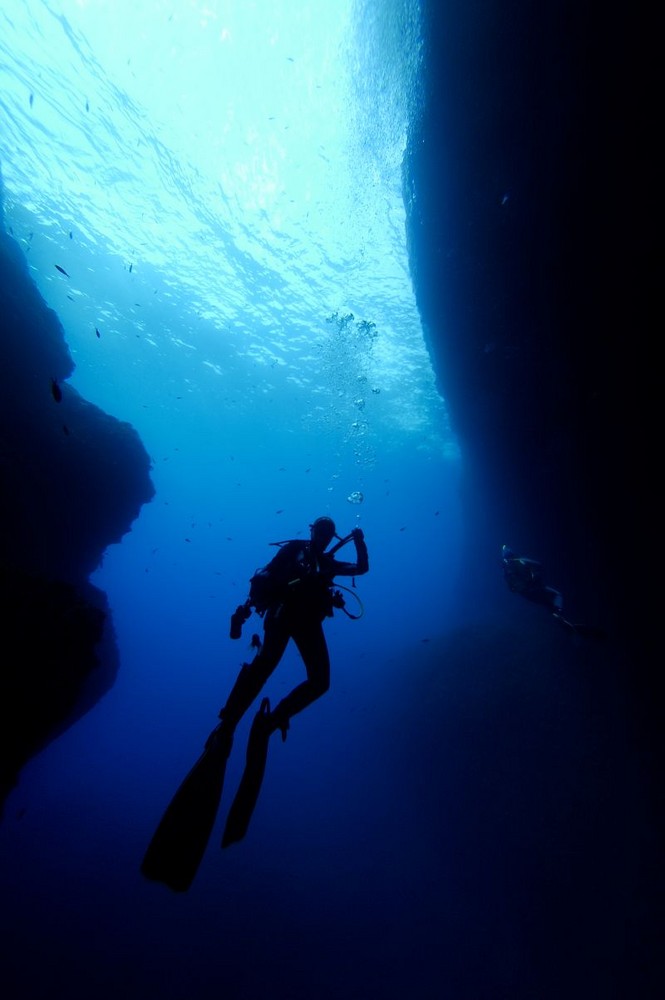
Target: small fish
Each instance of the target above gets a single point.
(281, 511)
(71, 235)
(65, 429)
(97, 332)
(87, 105)
(130, 268)
(56, 391)
(32, 98)
(62, 270)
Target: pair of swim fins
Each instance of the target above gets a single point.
(179, 842)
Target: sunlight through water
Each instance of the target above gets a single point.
(222, 182)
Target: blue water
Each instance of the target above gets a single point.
(222, 183)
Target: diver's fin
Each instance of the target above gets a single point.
(179, 842)
(584, 631)
(246, 797)
(590, 632)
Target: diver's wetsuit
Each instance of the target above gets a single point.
(298, 613)
(524, 576)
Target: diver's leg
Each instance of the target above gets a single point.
(253, 675)
(313, 648)
(555, 599)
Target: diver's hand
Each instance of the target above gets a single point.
(362, 561)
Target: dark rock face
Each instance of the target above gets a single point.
(530, 267)
(62, 659)
(528, 188)
(73, 481)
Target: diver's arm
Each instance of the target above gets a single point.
(361, 565)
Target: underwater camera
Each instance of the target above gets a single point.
(238, 619)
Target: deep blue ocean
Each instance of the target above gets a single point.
(222, 183)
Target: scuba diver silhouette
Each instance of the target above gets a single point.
(525, 577)
(293, 594)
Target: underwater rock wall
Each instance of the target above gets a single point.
(73, 479)
(525, 185)
(529, 186)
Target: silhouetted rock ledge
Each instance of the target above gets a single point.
(73, 481)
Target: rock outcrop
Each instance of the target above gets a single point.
(73, 479)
